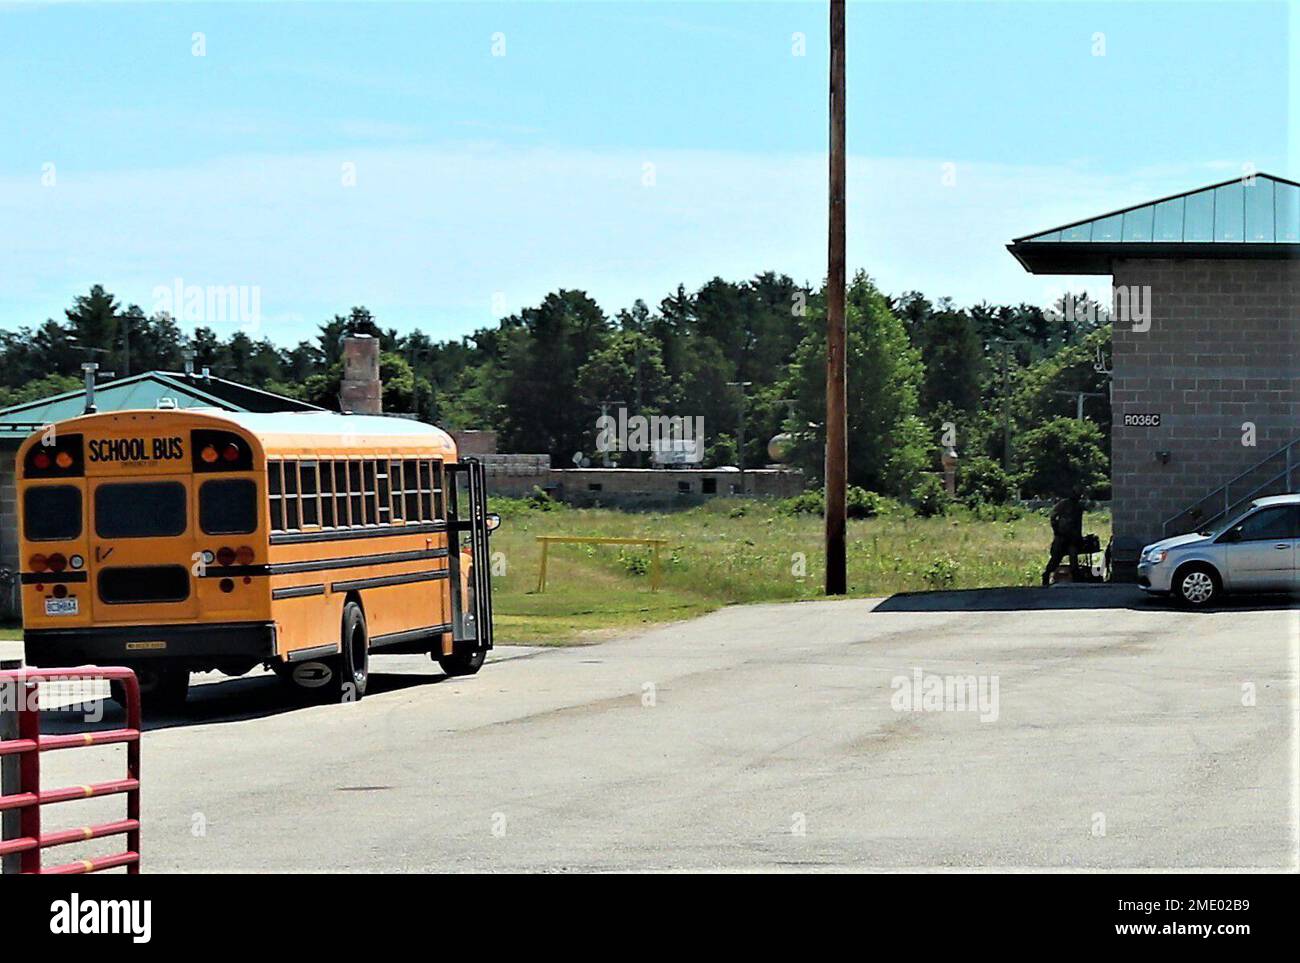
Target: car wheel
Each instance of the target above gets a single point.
(1197, 586)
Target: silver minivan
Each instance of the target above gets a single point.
(1255, 552)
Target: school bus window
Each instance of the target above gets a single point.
(228, 507)
(52, 513)
(341, 493)
(431, 489)
(290, 495)
(354, 493)
(274, 488)
(383, 493)
(140, 510)
(395, 483)
(371, 499)
(327, 494)
(310, 494)
(426, 491)
(410, 491)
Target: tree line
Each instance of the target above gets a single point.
(999, 383)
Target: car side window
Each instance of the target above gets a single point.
(1269, 523)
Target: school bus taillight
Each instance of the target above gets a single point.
(225, 555)
(56, 562)
(37, 562)
(244, 555)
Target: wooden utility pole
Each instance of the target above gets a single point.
(836, 374)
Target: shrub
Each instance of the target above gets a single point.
(811, 502)
(930, 497)
(941, 573)
(862, 503)
(541, 500)
(634, 562)
(981, 480)
(859, 503)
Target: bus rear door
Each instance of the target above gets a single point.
(142, 548)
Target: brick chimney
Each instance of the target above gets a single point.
(362, 392)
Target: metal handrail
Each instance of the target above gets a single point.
(1287, 451)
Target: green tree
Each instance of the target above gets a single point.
(1061, 458)
(93, 319)
(545, 348)
(884, 378)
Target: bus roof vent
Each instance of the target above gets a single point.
(166, 404)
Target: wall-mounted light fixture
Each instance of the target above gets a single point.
(1162, 457)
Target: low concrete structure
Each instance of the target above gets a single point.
(517, 476)
(659, 488)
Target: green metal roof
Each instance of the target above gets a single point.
(144, 391)
(1240, 218)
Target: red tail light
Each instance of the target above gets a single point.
(37, 562)
(225, 555)
(230, 452)
(41, 460)
(57, 562)
(244, 555)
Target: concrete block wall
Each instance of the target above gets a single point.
(661, 488)
(1223, 349)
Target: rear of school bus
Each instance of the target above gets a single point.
(141, 533)
(182, 541)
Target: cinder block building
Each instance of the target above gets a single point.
(1206, 353)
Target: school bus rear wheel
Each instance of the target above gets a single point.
(462, 663)
(353, 666)
(161, 687)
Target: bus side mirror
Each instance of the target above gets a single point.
(493, 521)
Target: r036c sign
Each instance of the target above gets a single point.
(1142, 420)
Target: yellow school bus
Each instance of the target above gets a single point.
(179, 541)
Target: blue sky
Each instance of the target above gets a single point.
(620, 148)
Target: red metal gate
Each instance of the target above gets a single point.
(30, 798)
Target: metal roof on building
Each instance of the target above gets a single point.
(1256, 217)
(145, 391)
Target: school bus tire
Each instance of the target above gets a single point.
(352, 669)
(462, 663)
(164, 687)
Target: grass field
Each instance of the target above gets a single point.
(729, 551)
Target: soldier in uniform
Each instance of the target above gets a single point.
(1067, 533)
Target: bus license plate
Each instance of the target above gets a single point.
(61, 606)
